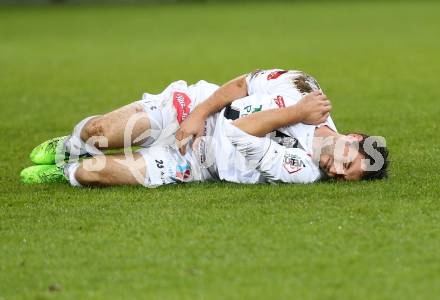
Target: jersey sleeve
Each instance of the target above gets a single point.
(281, 82)
(275, 162)
(254, 82)
(261, 81)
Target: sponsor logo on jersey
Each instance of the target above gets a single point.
(292, 163)
(289, 142)
(204, 149)
(181, 102)
(284, 140)
(275, 74)
(201, 151)
(183, 172)
(250, 109)
(279, 100)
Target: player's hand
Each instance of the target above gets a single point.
(191, 127)
(315, 108)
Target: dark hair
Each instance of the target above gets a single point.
(382, 173)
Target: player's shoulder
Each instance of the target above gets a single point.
(267, 74)
(281, 79)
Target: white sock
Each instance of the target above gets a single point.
(74, 145)
(69, 172)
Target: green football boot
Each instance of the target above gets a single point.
(45, 153)
(43, 174)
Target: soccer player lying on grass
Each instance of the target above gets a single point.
(283, 105)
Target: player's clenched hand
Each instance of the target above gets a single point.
(192, 126)
(315, 108)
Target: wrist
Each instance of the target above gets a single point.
(297, 112)
(200, 111)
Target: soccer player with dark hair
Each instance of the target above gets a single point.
(266, 126)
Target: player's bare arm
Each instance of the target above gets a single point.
(193, 125)
(313, 109)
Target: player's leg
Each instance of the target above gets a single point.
(112, 126)
(103, 170)
(152, 166)
(139, 123)
(108, 170)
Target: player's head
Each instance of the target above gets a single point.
(355, 156)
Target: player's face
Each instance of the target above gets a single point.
(344, 163)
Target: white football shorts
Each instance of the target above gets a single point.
(165, 164)
(168, 109)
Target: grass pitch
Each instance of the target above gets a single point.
(378, 63)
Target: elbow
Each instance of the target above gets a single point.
(241, 84)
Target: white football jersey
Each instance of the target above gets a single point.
(254, 160)
(284, 155)
(226, 152)
(286, 89)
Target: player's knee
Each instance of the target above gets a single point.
(95, 128)
(92, 171)
(88, 178)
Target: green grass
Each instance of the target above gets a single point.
(380, 65)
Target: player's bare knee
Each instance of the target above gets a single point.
(138, 108)
(88, 178)
(95, 128)
(92, 171)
